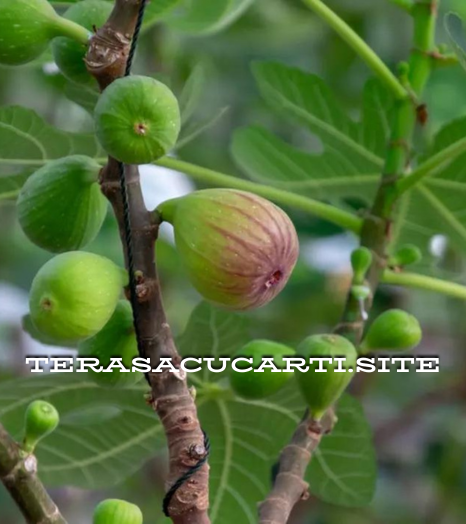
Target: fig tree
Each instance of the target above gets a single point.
(116, 339)
(137, 119)
(74, 295)
(61, 207)
(114, 511)
(27, 27)
(393, 330)
(238, 248)
(253, 384)
(41, 419)
(68, 54)
(321, 389)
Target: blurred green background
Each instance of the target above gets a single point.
(419, 420)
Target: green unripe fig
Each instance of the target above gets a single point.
(41, 419)
(113, 511)
(393, 330)
(116, 339)
(322, 389)
(255, 385)
(68, 54)
(61, 207)
(137, 120)
(74, 295)
(27, 27)
(406, 256)
(361, 260)
(238, 248)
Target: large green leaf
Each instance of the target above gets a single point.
(25, 136)
(207, 16)
(104, 434)
(436, 204)
(212, 332)
(353, 152)
(457, 35)
(343, 470)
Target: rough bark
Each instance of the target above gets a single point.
(171, 398)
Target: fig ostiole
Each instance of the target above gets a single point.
(74, 295)
(116, 339)
(137, 119)
(41, 419)
(393, 330)
(61, 207)
(321, 389)
(28, 26)
(68, 54)
(114, 511)
(238, 249)
(254, 384)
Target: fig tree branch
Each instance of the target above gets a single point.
(170, 396)
(18, 473)
(376, 228)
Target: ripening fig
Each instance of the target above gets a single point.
(41, 419)
(253, 384)
(68, 54)
(27, 27)
(238, 248)
(137, 119)
(74, 295)
(393, 330)
(322, 389)
(61, 207)
(116, 339)
(114, 511)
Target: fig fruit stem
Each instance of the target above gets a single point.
(327, 212)
(72, 30)
(360, 47)
(377, 225)
(170, 397)
(18, 473)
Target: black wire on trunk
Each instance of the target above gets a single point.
(132, 276)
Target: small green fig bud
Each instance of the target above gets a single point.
(61, 207)
(360, 292)
(393, 330)
(322, 389)
(68, 54)
(41, 419)
(256, 385)
(116, 339)
(74, 295)
(113, 511)
(137, 119)
(238, 249)
(27, 27)
(361, 260)
(406, 256)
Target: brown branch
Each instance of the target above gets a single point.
(171, 398)
(289, 487)
(18, 472)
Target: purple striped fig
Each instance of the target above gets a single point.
(238, 248)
